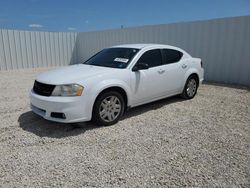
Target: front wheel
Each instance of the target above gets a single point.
(190, 88)
(108, 108)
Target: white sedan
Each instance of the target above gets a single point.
(113, 80)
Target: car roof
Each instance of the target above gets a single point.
(140, 46)
(143, 46)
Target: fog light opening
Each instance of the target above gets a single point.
(58, 115)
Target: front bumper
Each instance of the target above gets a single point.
(75, 109)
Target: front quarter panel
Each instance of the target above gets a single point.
(93, 86)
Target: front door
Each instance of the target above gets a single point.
(148, 84)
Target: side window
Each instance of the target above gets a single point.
(172, 56)
(152, 57)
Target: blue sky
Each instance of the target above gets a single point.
(82, 15)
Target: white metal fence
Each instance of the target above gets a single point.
(223, 45)
(29, 49)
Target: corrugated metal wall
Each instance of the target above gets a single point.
(29, 49)
(223, 44)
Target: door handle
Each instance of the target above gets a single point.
(161, 71)
(184, 66)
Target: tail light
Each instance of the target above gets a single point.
(201, 64)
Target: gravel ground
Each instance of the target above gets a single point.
(203, 142)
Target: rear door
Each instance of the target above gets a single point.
(175, 69)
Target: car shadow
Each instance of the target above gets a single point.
(33, 123)
(151, 106)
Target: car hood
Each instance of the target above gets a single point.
(71, 74)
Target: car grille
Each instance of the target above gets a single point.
(43, 89)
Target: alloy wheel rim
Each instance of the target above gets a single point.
(110, 108)
(191, 87)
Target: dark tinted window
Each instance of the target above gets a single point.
(152, 58)
(172, 56)
(113, 57)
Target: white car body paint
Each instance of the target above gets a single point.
(141, 86)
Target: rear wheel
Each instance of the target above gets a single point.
(190, 88)
(108, 108)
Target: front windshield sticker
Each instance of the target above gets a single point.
(122, 60)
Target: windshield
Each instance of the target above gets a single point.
(113, 57)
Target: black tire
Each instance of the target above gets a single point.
(185, 93)
(96, 117)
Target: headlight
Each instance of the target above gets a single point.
(67, 90)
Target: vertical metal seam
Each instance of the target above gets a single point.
(32, 57)
(50, 45)
(59, 49)
(67, 48)
(75, 47)
(20, 46)
(64, 50)
(50, 52)
(9, 50)
(45, 48)
(5, 61)
(14, 39)
(36, 50)
(54, 42)
(26, 50)
(39, 36)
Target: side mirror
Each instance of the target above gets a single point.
(140, 66)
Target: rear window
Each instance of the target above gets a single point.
(172, 56)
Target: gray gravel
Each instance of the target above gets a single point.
(202, 142)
